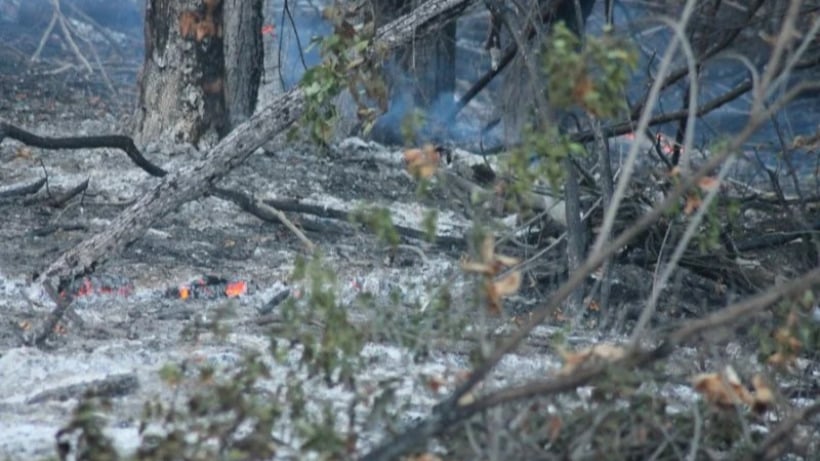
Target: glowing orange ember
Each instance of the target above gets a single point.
(209, 287)
(90, 286)
(234, 289)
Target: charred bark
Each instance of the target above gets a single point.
(244, 56)
(186, 93)
(197, 178)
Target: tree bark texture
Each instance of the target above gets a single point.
(244, 56)
(194, 180)
(203, 62)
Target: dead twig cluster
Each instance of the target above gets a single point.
(70, 35)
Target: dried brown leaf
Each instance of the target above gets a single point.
(477, 267)
(487, 250)
(422, 163)
(693, 202)
(708, 183)
(507, 261)
(508, 285)
(493, 299)
(723, 390)
(606, 352)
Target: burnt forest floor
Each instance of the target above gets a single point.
(130, 318)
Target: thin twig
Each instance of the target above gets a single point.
(68, 37)
(785, 37)
(775, 444)
(287, 222)
(261, 209)
(100, 66)
(643, 124)
(44, 38)
(451, 405)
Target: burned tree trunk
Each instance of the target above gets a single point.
(198, 177)
(244, 55)
(185, 91)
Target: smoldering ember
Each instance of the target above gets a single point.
(406, 229)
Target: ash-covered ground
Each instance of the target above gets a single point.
(129, 318)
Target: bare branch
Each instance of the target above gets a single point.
(194, 180)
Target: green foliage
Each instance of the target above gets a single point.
(541, 155)
(86, 422)
(429, 224)
(223, 418)
(438, 319)
(349, 61)
(334, 349)
(593, 76)
(171, 374)
(322, 438)
(410, 125)
(794, 333)
(708, 237)
(379, 221)
(209, 421)
(321, 85)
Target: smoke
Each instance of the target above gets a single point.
(292, 48)
(429, 124)
(113, 14)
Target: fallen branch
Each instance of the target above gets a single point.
(59, 200)
(124, 143)
(41, 333)
(193, 181)
(25, 189)
(52, 228)
(326, 212)
(263, 211)
(447, 417)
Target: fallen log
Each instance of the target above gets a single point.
(191, 182)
